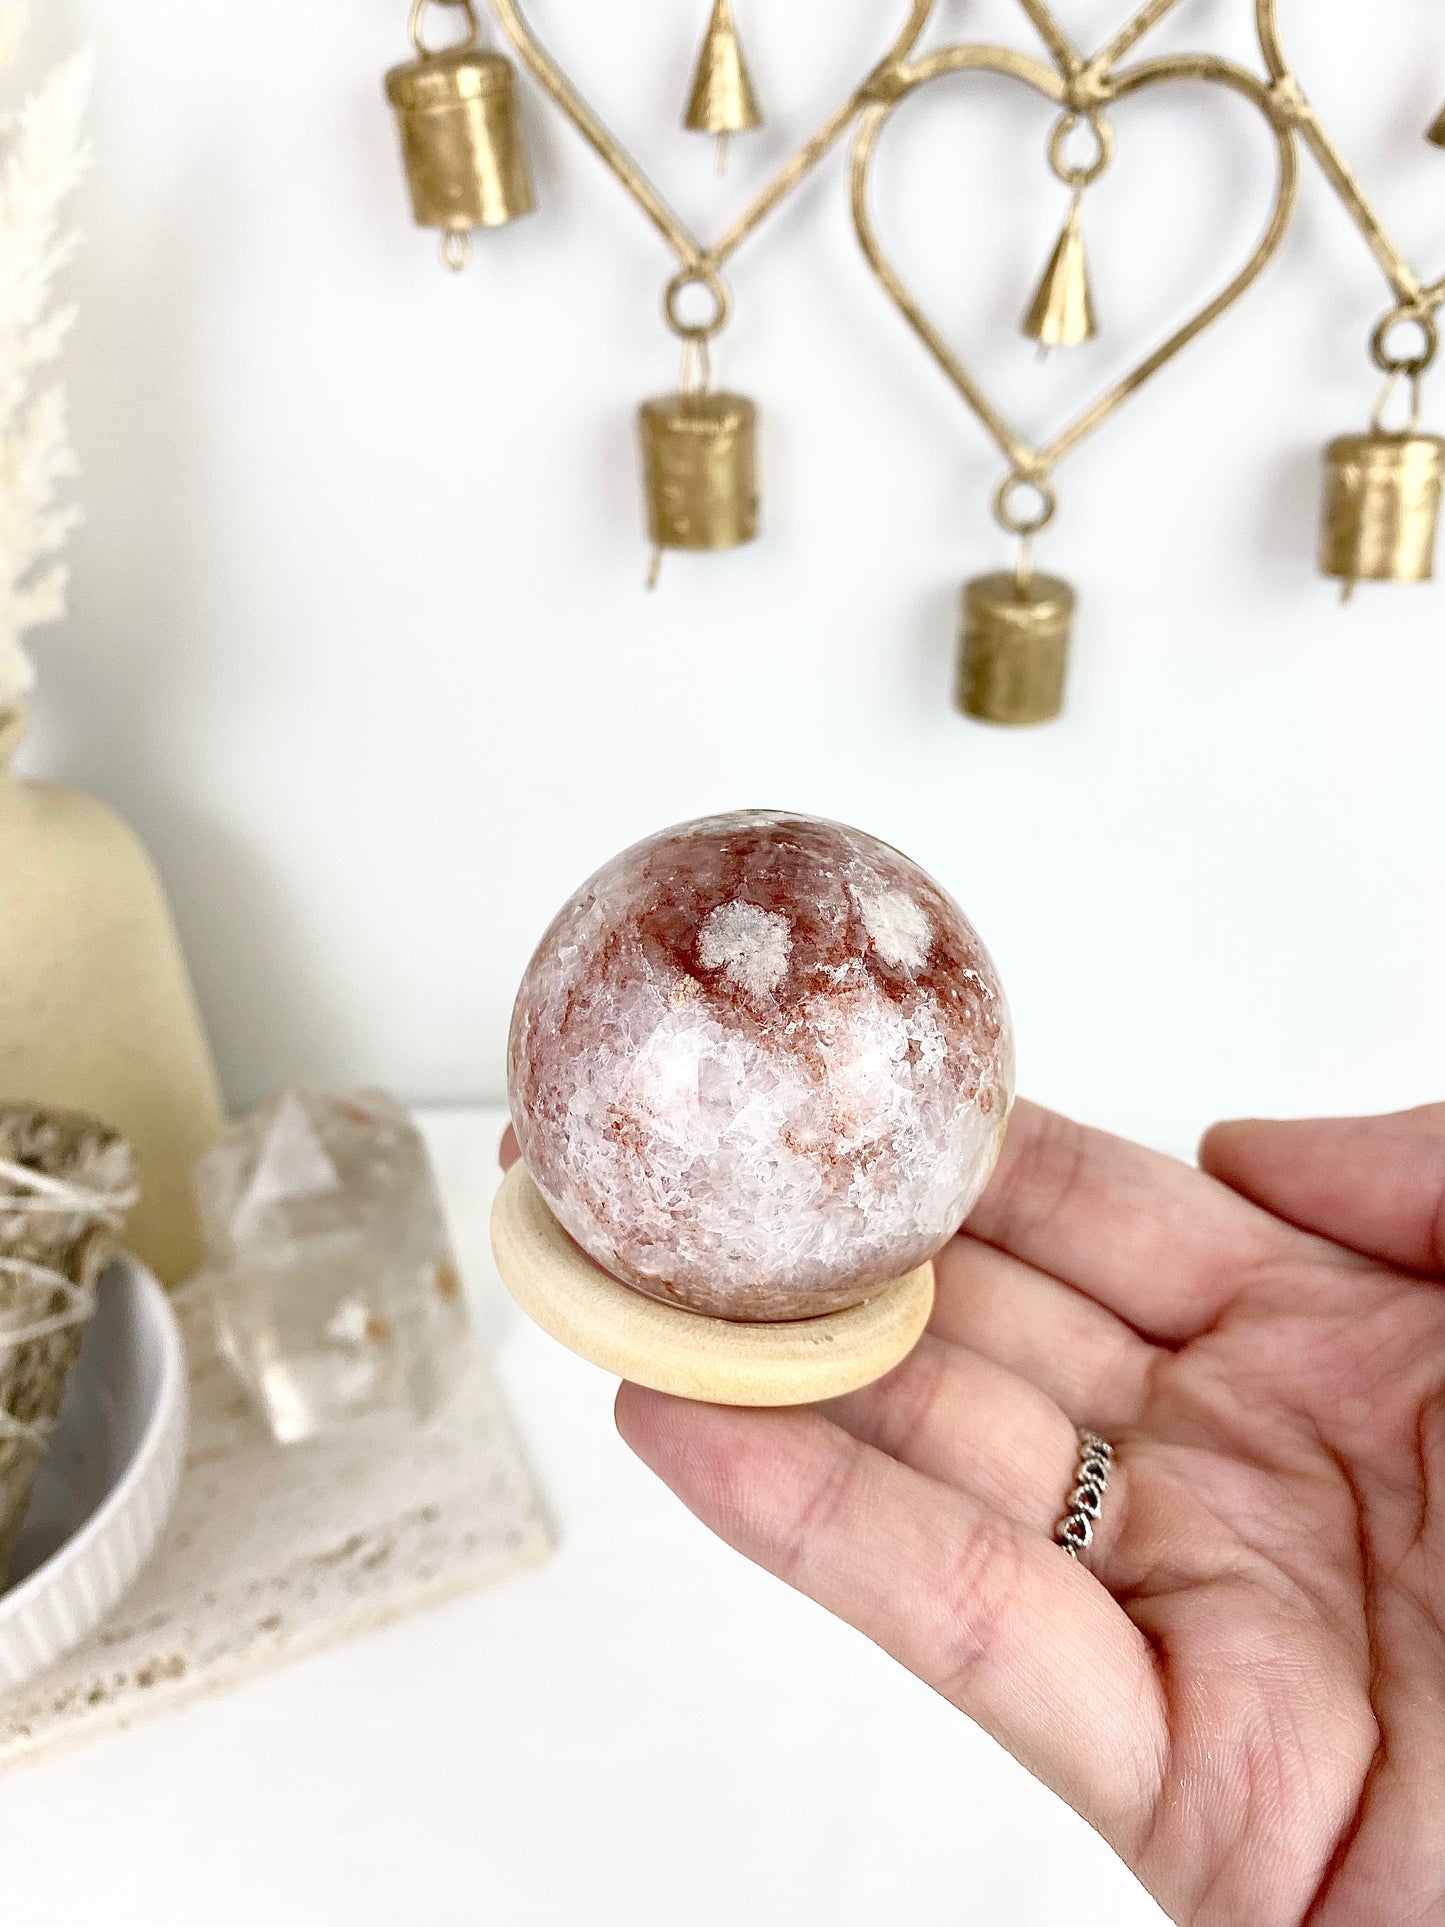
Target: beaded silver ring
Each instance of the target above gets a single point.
(1075, 1531)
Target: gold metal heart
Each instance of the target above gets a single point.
(1084, 75)
(1415, 295)
(892, 88)
(696, 256)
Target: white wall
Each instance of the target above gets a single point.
(359, 640)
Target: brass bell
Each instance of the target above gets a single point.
(1061, 314)
(1436, 133)
(723, 100)
(1014, 650)
(1382, 507)
(700, 473)
(461, 139)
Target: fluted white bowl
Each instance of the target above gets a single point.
(108, 1482)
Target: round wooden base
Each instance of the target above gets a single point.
(680, 1351)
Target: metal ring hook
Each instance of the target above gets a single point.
(722, 299)
(418, 17)
(1413, 366)
(1010, 519)
(1064, 128)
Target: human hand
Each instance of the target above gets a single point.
(1242, 1685)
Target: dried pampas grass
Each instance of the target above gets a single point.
(43, 154)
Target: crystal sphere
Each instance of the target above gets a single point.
(760, 1065)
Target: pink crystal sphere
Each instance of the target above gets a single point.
(760, 1065)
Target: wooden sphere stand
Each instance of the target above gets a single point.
(683, 1352)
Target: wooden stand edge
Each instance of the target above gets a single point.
(682, 1352)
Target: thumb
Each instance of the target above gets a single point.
(1376, 1184)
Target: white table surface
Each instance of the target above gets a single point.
(646, 1732)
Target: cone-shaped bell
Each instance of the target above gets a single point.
(1437, 129)
(1061, 314)
(722, 99)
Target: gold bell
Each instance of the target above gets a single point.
(722, 100)
(1015, 647)
(1382, 506)
(700, 470)
(461, 139)
(1061, 314)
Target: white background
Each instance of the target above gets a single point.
(359, 640)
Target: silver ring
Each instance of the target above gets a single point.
(1075, 1531)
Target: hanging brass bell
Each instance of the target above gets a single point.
(723, 101)
(1382, 507)
(1061, 314)
(700, 471)
(1014, 650)
(461, 140)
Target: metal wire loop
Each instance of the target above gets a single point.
(1392, 386)
(418, 17)
(696, 376)
(455, 250)
(1015, 521)
(1395, 363)
(1076, 1534)
(722, 300)
(1072, 174)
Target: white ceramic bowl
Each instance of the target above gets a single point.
(108, 1481)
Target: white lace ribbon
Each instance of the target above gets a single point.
(36, 1194)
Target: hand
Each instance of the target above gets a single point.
(1242, 1685)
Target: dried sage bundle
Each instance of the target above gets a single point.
(66, 1183)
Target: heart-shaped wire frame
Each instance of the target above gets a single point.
(697, 259)
(890, 89)
(1085, 77)
(1418, 299)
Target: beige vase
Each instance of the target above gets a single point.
(96, 1008)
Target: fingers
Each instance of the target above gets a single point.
(995, 1618)
(1375, 1184)
(1089, 1363)
(966, 1421)
(1153, 1240)
(962, 1419)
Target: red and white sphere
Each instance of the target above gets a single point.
(760, 1065)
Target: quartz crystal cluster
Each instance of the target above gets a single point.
(334, 1286)
(760, 1065)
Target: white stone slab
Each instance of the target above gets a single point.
(277, 1551)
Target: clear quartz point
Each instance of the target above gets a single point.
(329, 1262)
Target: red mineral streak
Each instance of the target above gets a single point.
(760, 1065)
